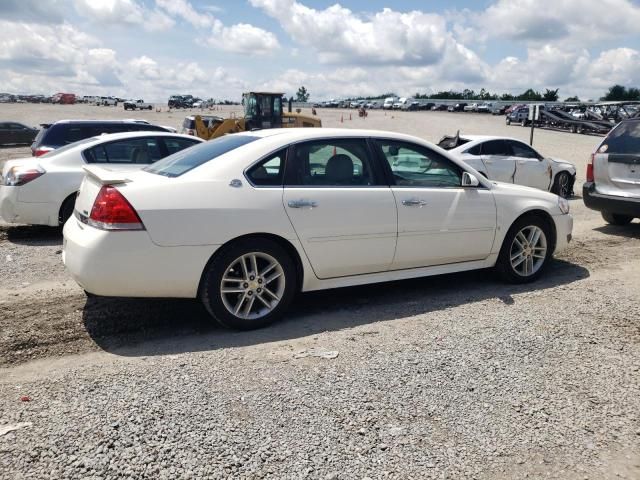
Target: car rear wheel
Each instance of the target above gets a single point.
(66, 210)
(525, 250)
(615, 219)
(508, 121)
(523, 123)
(562, 185)
(249, 284)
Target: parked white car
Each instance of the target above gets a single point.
(42, 190)
(232, 223)
(512, 161)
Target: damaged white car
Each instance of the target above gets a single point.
(513, 161)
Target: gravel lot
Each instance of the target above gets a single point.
(458, 376)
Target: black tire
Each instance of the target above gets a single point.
(66, 210)
(504, 267)
(615, 219)
(508, 121)
(562, 185)
(211, 295)
(523, 123)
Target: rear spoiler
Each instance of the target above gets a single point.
(104, 176)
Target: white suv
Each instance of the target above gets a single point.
(613, 175)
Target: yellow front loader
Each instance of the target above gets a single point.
(261, 110)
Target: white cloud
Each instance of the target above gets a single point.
(243, 38)
(340, 36)
(183, 9)
(123, 12)
(576, 21)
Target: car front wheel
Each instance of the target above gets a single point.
(615, 219)
(562, 185)
(525, 251)
(249, 284)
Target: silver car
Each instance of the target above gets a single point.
(613, 175)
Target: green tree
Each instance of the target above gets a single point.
(302, 95)
(550, 95)
(572, 99)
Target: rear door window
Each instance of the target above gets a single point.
(522, 150)
(129, 151)
(268, 172)
(330, 163)
(498, 148)
(625, 139)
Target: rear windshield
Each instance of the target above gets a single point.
(185, 160)
(624, 139)
(189, 123)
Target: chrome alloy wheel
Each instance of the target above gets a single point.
(252, 286)
(528, 251)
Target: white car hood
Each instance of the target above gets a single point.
(523, 191)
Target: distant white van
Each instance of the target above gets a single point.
(388, 103)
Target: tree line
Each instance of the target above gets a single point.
(615, 93)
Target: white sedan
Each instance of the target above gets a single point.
(245, 221)
(510, 160)
(42, 190)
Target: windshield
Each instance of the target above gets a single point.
(190, 158)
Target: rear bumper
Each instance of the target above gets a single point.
(609, 203)
(14, 211)
(129, 264)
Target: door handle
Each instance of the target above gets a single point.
(414, 202)
(302, 204)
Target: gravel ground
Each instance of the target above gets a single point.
(458, 376)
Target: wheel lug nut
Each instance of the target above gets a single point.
(259, 290)
(259, 280)
(252, 277)
(250, 293)
(245, 285)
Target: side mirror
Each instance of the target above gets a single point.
(469, 180)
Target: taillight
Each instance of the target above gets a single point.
(38, 152)
(590, 168)
(17, 176)
(111, 211)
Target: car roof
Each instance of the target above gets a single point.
(485, 138)
(298, 134)
(110, 137)
(93, 121)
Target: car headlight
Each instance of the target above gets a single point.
(563, 205)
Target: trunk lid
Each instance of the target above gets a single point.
(616, 163)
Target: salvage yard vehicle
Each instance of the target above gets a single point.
(189, 123)
(15, 133)
(63, 132)
(137, 105)
(42, 191)
(613, 175)
(458, 107)
(509, 160)
(518, 115)
(246, 221)
(261, 110)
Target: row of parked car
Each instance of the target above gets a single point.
(245, 221)
(410, 104)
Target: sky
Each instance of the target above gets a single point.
(218, 49)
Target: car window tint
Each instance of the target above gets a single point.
(135, 151)
(417, 166)
(185, 160)
(624, 139)
(497, 148)
(522, 150)
(475, 150)
(334, 162)
(176, 144)
(268, 172)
